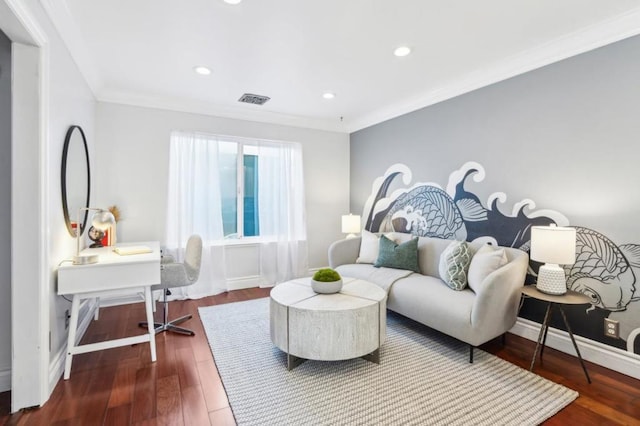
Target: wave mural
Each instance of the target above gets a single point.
(603, 270)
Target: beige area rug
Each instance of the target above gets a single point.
(424, 378)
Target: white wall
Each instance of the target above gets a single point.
(70, 102)
(5, 212)
(132, 146)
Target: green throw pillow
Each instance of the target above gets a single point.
(454, 264)
(399, 256)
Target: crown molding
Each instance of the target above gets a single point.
(60, 16)
(248, 113)
(601, 34)
(18, 24)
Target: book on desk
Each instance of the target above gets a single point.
(130, 250)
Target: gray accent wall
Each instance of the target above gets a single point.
(5, 204)
(565, 136)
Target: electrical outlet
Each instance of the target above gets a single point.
(66, 319)
(611, 328)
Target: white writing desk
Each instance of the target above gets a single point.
(113, 275)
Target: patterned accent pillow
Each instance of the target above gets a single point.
(398, 256)
(454, 264)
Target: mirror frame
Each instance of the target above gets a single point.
(63, 180)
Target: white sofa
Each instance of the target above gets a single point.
(474, 317)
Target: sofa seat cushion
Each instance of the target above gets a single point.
(383, 277)
(430, 301)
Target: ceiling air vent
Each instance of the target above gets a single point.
(249, 98)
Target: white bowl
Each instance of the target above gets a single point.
(326, 287)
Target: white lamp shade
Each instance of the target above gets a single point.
(553, 244)
(351, 223)
(103, 219)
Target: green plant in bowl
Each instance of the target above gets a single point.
(326, 275)
(326, 281)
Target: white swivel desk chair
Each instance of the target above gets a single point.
(174, 274)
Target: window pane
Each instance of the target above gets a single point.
(228, 163)
(251, 223)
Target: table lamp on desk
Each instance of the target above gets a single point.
(101, 220)
(554, 245)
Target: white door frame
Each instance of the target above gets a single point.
(29, 206)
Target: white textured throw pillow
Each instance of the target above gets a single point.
(368, 247)
(486, 260)
(454, 264)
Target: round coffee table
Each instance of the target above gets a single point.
(328, 327)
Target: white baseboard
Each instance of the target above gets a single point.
(56, 365)
(5, 380)
(607, 356)
(244, 282)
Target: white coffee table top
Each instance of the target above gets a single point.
(355, 293)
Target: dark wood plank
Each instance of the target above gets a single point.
(194, 407)
(187, 369)
(122, 386)
(169, 401)
(118, 415)
(222, 417)
(214, 393)
(144, 396)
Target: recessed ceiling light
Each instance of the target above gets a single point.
(402, 51)
(328, 95)
(202, 70)
(232, 1)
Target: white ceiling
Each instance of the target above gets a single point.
(143, 52)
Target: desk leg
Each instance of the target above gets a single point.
(71, 340)
(566, 323)
(543, 330)
(150, 322)
(96, 316)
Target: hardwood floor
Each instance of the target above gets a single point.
(122, 387)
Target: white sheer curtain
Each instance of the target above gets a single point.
(283, 251)
(194, 207)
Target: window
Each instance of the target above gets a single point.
(227, 187)
(239, 189)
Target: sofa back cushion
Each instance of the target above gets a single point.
(486, 260)
(429, 252)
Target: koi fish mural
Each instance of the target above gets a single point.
(603, 270)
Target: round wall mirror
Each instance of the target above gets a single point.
(75, 178)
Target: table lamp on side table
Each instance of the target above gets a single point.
(351, 225)
(101, 220)
(554, 245)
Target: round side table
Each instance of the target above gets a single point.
(553, 302)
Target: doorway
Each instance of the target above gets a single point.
(29, 309)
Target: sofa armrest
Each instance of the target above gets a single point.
(344, 252)
(495, 309)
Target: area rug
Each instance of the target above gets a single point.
(424, 378)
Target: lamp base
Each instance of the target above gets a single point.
(551, 279)
(351, 236)
(85, 260)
